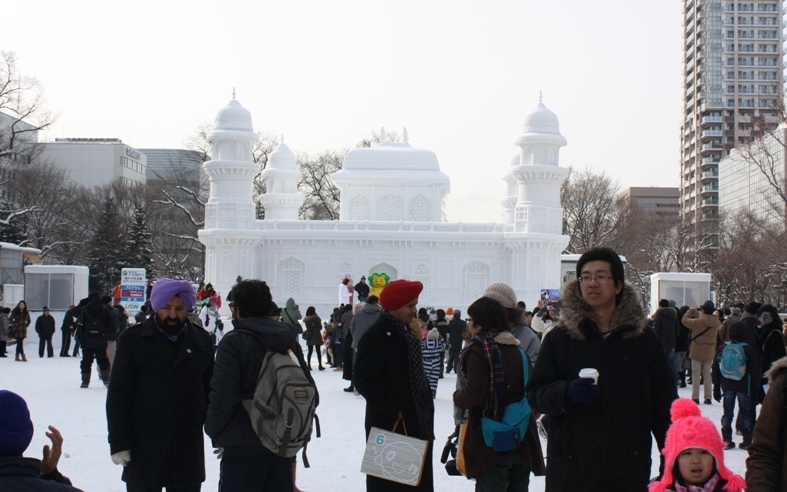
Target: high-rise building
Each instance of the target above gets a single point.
(732, 81)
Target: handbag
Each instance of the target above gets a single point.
(506, 434)
(460, 452)
(394, 457)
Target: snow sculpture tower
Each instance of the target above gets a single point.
(535, 230)
(230, 212)
(282, 200)
(539, 175)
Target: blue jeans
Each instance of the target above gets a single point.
(728, 400)
(671, 363)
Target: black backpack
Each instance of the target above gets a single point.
(90, 330)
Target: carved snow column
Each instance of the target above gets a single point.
(282, 200)
(539, 175)
(537, 240)
(232, 170)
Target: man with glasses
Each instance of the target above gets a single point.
(600, 428)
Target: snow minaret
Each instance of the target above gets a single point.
(539, 175)
(232, 169)
(282, 200)
(534, 177)
(230, 212)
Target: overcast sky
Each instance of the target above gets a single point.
(460, 75)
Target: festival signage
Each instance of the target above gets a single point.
(132, 289)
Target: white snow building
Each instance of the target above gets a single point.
(390, 221)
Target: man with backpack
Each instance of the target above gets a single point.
(736, 377)
(158, 395)
(248, 463)
(92, 327)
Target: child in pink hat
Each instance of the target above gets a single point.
(694, 455)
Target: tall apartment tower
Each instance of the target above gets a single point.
(732, 82)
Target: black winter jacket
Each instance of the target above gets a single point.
(667, 325)
(772, 343)
(603, 445)
(18, 474)
(238, 361)
(455, 329)
(382, 376)
(156, 403)
(92, 310)
(45, 326)
(750, 384)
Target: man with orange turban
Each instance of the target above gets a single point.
(389, 373)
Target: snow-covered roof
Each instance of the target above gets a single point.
(391, 156)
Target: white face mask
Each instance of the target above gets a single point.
(766, 319)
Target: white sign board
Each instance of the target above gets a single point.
(132, 289)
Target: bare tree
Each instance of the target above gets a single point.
(590, 211)
(322, 196)
(22, 100)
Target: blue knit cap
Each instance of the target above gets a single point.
(16, 428)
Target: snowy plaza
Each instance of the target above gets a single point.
(51, 388)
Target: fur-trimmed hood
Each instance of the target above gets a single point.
(506, 338)
(629, 313)
(776, 369)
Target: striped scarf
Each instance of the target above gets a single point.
(496, 391)
(419, 387)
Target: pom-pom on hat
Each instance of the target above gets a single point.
(399, 292)
(16, 428)
(690, 429)
(502, 293)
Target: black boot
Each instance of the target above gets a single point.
(85, 380)
(726, 436)
(746, 439)
(105, 377)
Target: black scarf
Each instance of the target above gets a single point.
(419, 387)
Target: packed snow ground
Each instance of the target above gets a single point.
(51, 388)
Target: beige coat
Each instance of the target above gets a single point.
(703, 345)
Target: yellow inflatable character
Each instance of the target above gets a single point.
(376, 283)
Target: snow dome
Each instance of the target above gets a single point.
(391, 181)
(233, 116)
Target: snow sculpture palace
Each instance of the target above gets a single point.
(390, 221)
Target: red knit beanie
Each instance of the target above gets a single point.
(398, 293)
(690, 429)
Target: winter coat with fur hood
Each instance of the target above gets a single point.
(478, 456)
(766, 466)
(603, 445)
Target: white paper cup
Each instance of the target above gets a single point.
(589, 373)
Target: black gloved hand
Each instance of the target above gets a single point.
(582, 390)
(717, 394)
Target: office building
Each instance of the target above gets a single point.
(94, 162)
(747, 177)
(652, 200)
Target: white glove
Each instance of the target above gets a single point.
(121, 458)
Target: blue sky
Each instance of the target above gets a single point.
(460, 75)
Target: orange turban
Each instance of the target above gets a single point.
(398, 293)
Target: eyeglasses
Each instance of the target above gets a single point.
(586, 279)
(469, 320)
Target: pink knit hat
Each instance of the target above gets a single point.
(690, 429)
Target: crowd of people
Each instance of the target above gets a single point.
(594, 375)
